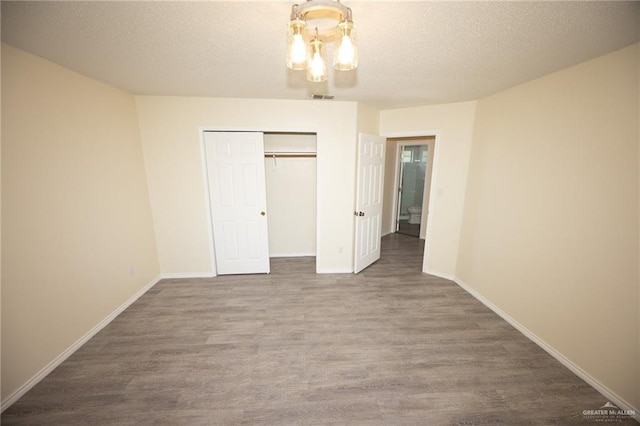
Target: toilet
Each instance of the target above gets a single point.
(415, 214)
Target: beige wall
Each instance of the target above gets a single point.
(170, 129)
(368, 119)
(291, 206)
(452, 124)
(550, 229)
(77, 237)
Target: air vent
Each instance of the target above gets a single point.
(315, 97)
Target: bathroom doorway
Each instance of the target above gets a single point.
(413, 164)
(413, 170)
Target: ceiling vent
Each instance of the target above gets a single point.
(315, 97)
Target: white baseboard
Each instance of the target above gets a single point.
(177, 275)
(606, 392)
(440, 275)
(334, 271)
(292, 255)
(11, 399)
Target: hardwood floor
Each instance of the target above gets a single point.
(387, 346)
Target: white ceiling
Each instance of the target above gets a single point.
(411, 52)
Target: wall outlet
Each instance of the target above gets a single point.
(132, 271)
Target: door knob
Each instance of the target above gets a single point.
(262, 213)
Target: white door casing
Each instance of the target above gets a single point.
(237, 193)
(426, 197)
(398, 194)
(369, 194)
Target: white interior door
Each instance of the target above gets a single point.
(369, 194)
(237, 192)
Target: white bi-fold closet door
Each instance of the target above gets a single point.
(237, 195)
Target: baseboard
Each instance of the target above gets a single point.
(11, 399)
(440, 275)
(178, 275)
(334, 271)
(293, 255)
(606, 392)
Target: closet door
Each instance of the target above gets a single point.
(237, 192)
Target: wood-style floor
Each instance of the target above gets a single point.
(388, 346)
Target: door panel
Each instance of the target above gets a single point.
(237, 192)
(369, 195)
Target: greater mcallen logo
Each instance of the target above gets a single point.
(608, 413)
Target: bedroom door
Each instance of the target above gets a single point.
(369, 194)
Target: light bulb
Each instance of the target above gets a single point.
(345, 51)
(317, 66)
(296, 47)
(346, 54)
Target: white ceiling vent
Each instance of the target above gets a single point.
(322, 97)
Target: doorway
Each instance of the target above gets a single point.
(413, 170)
(290, 171)
(401, 152)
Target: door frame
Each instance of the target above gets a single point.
(205, 177)
(434, 178)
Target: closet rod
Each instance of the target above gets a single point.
(288, 155)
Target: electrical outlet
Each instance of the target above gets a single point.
(132, 271)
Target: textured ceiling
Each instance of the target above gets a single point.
(411, 53)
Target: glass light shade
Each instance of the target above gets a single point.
(296, 46)
(317, 64)
(345, 57)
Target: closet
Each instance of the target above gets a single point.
(290, 174)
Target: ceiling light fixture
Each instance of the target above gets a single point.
(313, 24)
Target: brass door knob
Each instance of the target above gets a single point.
(262, 213)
